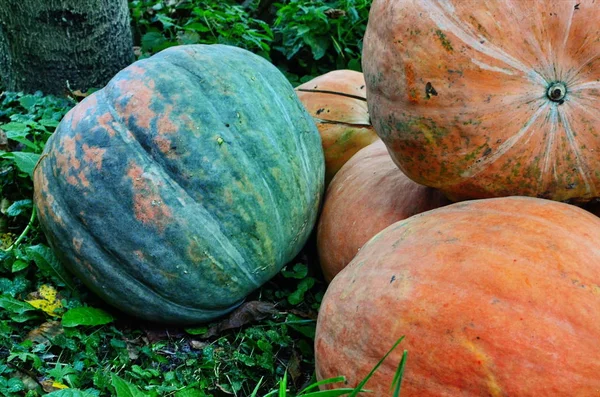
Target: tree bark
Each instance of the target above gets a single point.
(60, 45)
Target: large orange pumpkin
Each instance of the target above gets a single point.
(337, 101)
(485, 99)
(496, 297)
(368, 194)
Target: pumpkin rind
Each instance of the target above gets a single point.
(368, 194)
(337, 102)
(495, 297)
(184, 184)
(460, 92)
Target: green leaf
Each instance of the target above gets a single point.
(126, 389)
(29, 101)
(304, 285)
(189, 392)
(15, 385)
(14, 305)
(197, 27)
(49, 123)
(196, 330)
(15, 286)
(19, 265)
(18, 207)
(24, 161)
(152, 40)
(299, 271)
(14, 129)
(354, 64)
(86, 316)
(46, 261)
(317, 44)
(20, 311)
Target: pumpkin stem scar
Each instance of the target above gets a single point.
(557, 92)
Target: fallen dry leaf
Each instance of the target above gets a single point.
(293, 366)
(49, 385)
(309, 315)
(248, 312)
(45, 298)
(155, 334)
(197, 345)
(3, 141)
(45, 332)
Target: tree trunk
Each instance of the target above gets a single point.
(61, 45)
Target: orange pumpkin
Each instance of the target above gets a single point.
(495, 297)
(337, 101)
(368, 194)
(486, 99)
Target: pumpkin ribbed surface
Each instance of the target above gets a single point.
(495, 297)
(486, 99)
(337, 102)
(368, 194)
(184, 184)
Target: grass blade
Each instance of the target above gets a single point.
(397, 382)
(337, 379)
(255, 391)
(330, 393)
(283, 385)
(359, 388)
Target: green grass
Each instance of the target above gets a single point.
(303, 38)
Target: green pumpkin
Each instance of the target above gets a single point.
(184, 184)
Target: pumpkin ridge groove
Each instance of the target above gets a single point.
(567, 31)
(120, 271)
(572, 82)
(172, 179)
(244, 159)
(477, 168)
(584, 86)
(444, 21)
(570, 134)
(549, 154)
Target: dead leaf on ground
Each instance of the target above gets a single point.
(335, 13)
(293, 366)
(132, 352)
(224, 390)
(50, 385)
(312, 315)
(197, 345)
(45, 332)
(78, 94)
(3, 141)
(45, 298)
(248, 312)
(159, 334)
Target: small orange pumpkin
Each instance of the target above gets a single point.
(338, 104)
(368, 194)
(488, 98)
